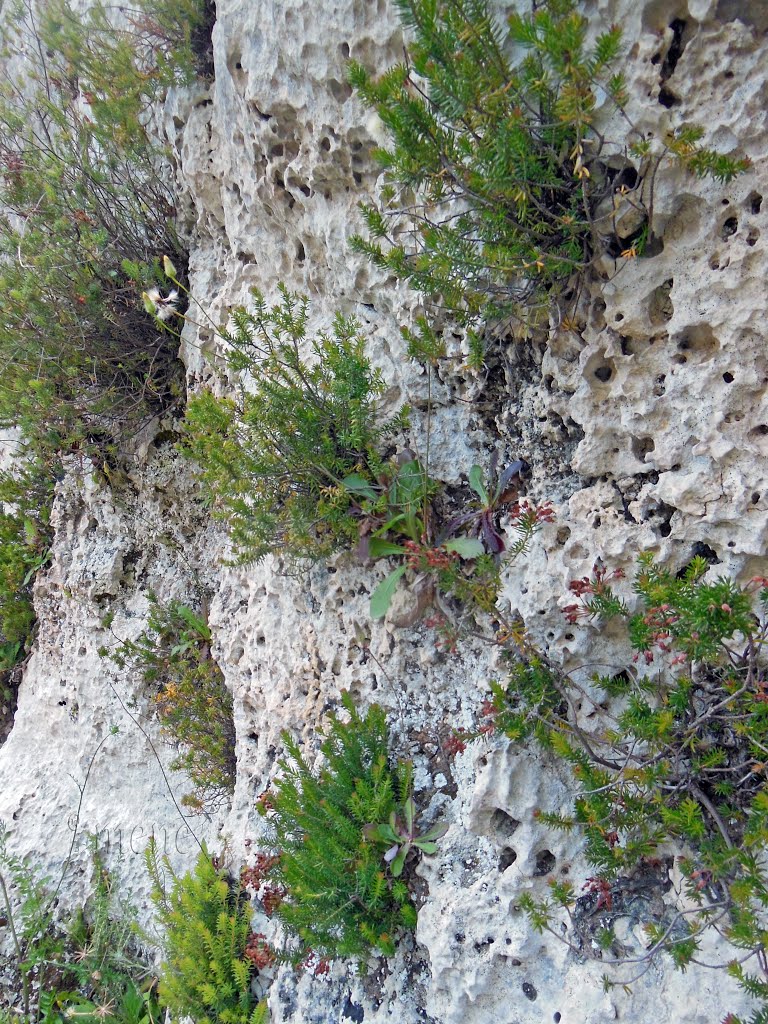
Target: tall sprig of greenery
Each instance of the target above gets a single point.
(196, 710)
(87, 204)
(275, 458)
(676, 752)
(495, 167)
(339, 898)
(206, 974)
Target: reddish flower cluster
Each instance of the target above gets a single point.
(447, 636)
(586, 587)
(253, 877)
(259, 952)
(425, 559)
(488, 710)
(530, 515)
(256, 878)
(318, 965)
(601, 888)
(264, 803)
(455, 743)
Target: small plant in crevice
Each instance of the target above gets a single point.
(88, 966)
(275, 458)
(675, 752)
(499, 187)
(300, 465)
(337, 893)
(208, 965)
(173, 657)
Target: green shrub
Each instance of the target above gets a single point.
(275, 459)
(495, 170)
(173, 656)
(678, 754)
(338, 897)
(88, 205)
(88, 966)
(206, 974)
(297, 466)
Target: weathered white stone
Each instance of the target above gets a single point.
(645, 423)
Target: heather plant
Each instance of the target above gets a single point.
(675, 753)
(195, 708)
(276, 457)
(206, 973)
(496, 168)
(338, 895)
(298, 465)
(87, 204)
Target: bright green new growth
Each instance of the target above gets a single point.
(275, 459)
(206, 974)
(678, 753)
(173, 655)
(340, 900)
(495, 169)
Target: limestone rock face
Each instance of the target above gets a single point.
(644, 421)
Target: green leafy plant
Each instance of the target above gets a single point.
(87, 966)
(677, 755)
(401, 830)
(173, 656)
(276, 457)
(88, 204)
(206, 973)
(337, 897)
(496, 171)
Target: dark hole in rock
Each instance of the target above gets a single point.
(545, 861)
(503, 824)
(604, 373)
(619, 316)
(762, 429)
(658, 387)
(507, 858)
(675, 51)
(667, 98)
(701, 550)
(557, 1017)
(755, 497)
(529, 991)
(728, 378)
(459, 937)
(357, 177)
(755, 201)
(729, 228)
(325, 144)
(300, 254)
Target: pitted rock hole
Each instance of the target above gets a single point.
(503, 825)
(545, 862)
(507, 858)
(660, 308)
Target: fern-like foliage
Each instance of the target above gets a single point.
(340, 899)
(205, 975)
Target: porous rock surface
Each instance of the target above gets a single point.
(644, 421)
